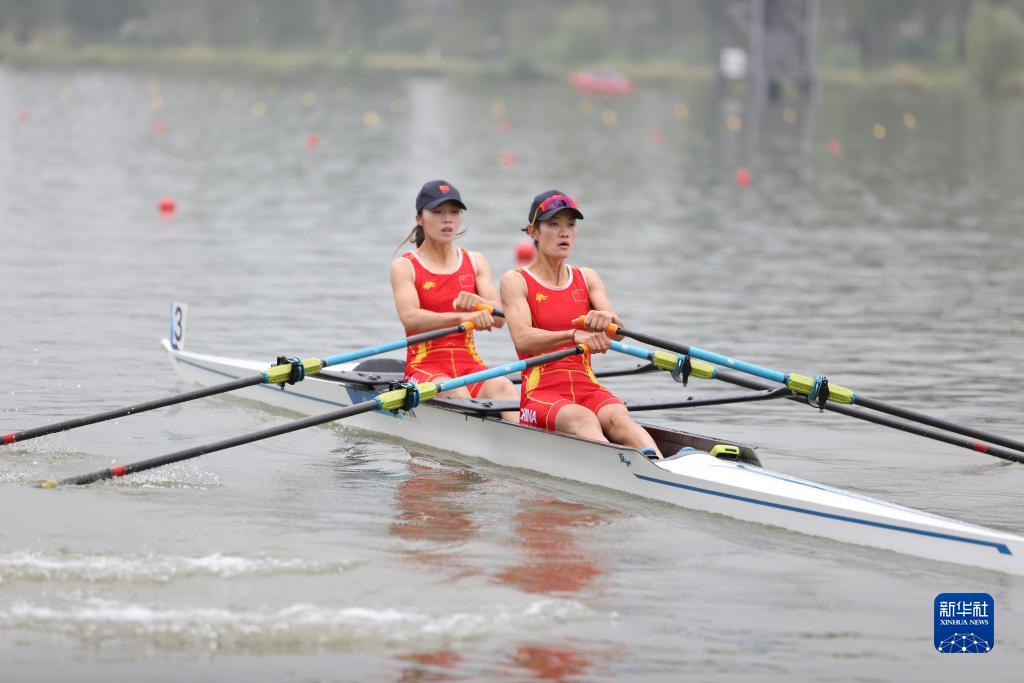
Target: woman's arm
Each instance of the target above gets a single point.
(603, 313)
(485, 291)
(414, 318)
(531, 340)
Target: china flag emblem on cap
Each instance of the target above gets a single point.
(443, 188)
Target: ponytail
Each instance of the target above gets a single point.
(415, 236)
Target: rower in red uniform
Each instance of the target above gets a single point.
(540, 302)
(440, 285)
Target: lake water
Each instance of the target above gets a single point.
(893, 265)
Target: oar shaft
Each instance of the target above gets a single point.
(395, 345)
(861, 414)
(65, 425)
(916, 416)
(196, 451)
(389, 400)
(277, 373)
(709, 356)
(854, 399)
(500, 370)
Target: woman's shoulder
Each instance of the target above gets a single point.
(404, 263)
(589, 275)
(513, 277)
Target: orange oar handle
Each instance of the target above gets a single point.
(611, 330)
(490, 309)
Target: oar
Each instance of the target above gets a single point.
(862, 414)
(682, 366)
(406, 397)
(290, 372)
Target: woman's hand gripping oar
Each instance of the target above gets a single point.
(291, 372)
(405, 397)
(817, 391)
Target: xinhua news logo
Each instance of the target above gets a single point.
(964, 623)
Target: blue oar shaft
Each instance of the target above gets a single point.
(741, 365)
(500, 370)
(393, 345)
(986, 440)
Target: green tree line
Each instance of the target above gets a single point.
(988, 34)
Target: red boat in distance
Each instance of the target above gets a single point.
(604, 83)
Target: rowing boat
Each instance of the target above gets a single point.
(732, 482)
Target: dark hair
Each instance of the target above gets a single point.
(536, 244)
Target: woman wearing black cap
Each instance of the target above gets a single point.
(540, 302)
(440, 285)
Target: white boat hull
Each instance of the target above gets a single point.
(697, 481)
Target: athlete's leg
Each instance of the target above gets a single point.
(621, 428)
(579, 421)
(502, 389)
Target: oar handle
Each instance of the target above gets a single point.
(490, 309)
(611, 330)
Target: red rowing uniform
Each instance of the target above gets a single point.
(548, 388)
(454, 355)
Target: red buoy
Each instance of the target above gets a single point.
(159, 128)
(507, 158)
(167, 205)
(23, 115)
(835, 148)
(655, 136)
(312, 141)
(743, 178)
(525, 252)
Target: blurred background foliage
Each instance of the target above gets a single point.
(983, 37)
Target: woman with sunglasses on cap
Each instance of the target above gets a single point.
(540, 302)
(439, 285)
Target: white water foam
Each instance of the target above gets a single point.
(29, 566)
(298, 627)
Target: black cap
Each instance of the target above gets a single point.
(569, 204)
(437, 192)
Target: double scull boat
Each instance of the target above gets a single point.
(731, 482)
